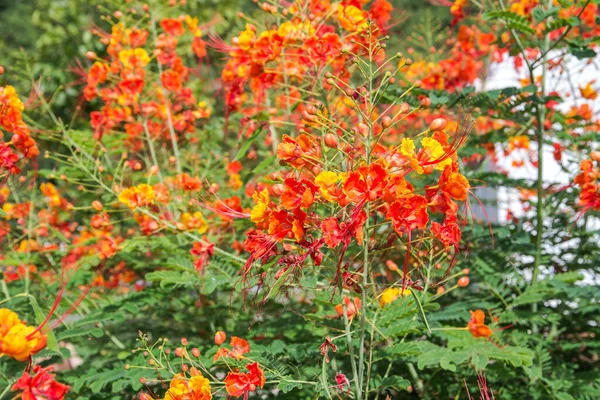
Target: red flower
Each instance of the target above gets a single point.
(409, 213)
(352, 307)
(448, 232)
(324, 348)
(172, 26)
(238, 384)
(366, 184)
(476, 325)
(298, 193)
(239, 347)
(40, 386)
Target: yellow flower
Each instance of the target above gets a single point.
(16, 339)
(49, 190)
(260, 212)
(391, 294)
(137, 196)
(407, 148)
(436, 152)
(132, 58)
(197, 388)
(327, 183)
(12, 99)
(246, 38)
(194, 221)
(352, 18)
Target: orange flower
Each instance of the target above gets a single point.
(172, 26)
(196, 388)
(477, 325)
(137, 196)
(298, 193)
(239, 347)
(588, 92)
(454, 184)
(518, 142)
(17, 340)
(303, 151)
(188, 183)
(352, 307)
(238, 384)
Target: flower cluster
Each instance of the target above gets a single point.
(134, 101)
(314, 35)
(587, 180)
(194, 383)
(11, 120)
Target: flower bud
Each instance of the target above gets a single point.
(277, 189)
(184, 341)
(440, 290)
(426, 102)
(363, 129)
(437, 124)
(463, 281)
(97, 206)
(392, 266)
(330, 140)
(220, 338)
(196, 352)
(386, 122)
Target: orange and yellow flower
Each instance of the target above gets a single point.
(137, 196)
(17, 339)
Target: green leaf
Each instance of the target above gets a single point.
(246, 145)
(264, 164)
(51, 343)
(420, 307)
(287, 386)
(540, 13)
(513, 21)
(396, 382)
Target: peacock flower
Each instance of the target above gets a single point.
(196, 388)
(137, 196)
(587, 92)
(240, 384)
(261, 211)
(477, 325)
(17, 339)
(391, 294)
(454, 184)
(40, 385)
(352, 18)
(134, 58)
(327, 181)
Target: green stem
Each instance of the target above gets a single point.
(540, 132)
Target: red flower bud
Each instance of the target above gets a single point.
(463, 281)
(220, 338)
(331, 140)
(437, 124)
